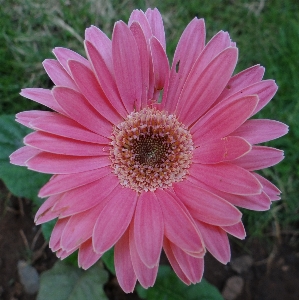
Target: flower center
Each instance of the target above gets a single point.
(150, 150)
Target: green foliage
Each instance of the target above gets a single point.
(47, 229)
(169, 287)
(108, 259)
(30, 30)
(64, 282)
(11, 135)
(20, 181)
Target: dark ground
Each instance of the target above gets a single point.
(273, 273)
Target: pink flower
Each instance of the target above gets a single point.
(142, 174)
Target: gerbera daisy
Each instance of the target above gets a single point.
(145, 156)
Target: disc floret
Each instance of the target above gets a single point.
(150, 149)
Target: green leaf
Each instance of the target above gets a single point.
(47, 229)
(169, 287)
(20, 181)
(72, 259)
(66, 282)
(108, 259)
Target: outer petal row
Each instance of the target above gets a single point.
(60, 145)
(227, 178)
(224, 149)
(257, 131)
(126, 61)
(206, 206)
(201, 90)
(148, 229)
(188, 49)
(223, 119)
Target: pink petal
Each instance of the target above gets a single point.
(160, 64)
(20, 156)
(259, 157)
(123, 265)
(259, 202)
(62, 254)
(54, 242)
(42, 96)
(224, 149)
(114, 218)
(260, 131)
(227, 178)
(138, 16)
(223, 119)
(216, 241)
(49, 215)
(77, 107)
(236, 230)
(59, 252)
(102, 43)
(63, 183)
(214, 47)
(265, 90)
(105, 78)
(191, 266)
(63, 55)
(269, 188)
(173, 262)
(144, 53)
(145, 275)
(206, 206)
(242, 80)
(266, 95)
(58, 74)
(179, 228)
(197, 254)
(63, 126)
(26, 117)
(148, 229)
(61, 145)
(219, 42)
(62, 164)
(156, 23)
(80, 226)
(45, 213)
(188, 49)
(200, 92)
(127, 68)
(87, 196)
(91, 90)
(87, 257)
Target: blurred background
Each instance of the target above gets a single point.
(266, 33)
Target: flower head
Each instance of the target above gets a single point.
(145, 156)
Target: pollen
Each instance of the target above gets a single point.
(150, 149)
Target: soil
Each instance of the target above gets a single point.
(273, 273)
